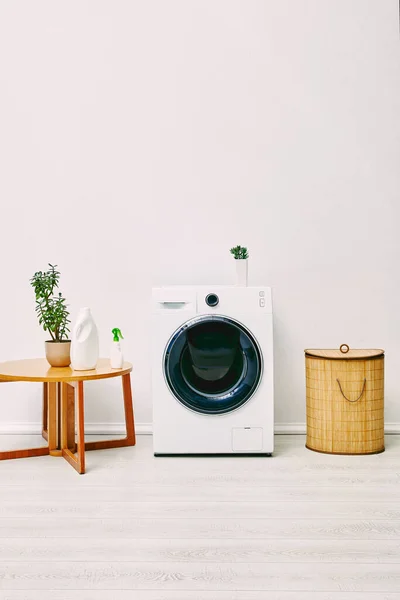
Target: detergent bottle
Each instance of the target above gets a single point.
(84, 342)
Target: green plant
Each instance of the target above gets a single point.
(51, 309)
(239, 252)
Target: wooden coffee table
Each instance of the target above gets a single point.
(62, 390)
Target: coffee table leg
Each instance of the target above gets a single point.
(52, 421)
(130, 439)
(24, 453)
(77, 461)
(45, 409)
(68, 417)
(71, 443)
(128, 407)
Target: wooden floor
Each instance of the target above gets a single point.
(297, 526)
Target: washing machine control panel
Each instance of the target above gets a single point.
(233, 300)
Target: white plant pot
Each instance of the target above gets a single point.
(241, 271)
(84, 342)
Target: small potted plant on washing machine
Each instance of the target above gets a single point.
(53, 316)
(241, 255)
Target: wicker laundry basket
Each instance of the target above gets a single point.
(345, 401)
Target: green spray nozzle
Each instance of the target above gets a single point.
(117, 334)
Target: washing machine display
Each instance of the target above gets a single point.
(213, 364)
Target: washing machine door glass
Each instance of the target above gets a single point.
(213, 364)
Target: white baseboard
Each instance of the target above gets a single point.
(35, 428)
(290, 428)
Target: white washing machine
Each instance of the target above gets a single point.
(212, 370)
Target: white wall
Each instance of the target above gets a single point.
(164, 132)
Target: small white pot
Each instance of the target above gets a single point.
(241, 271)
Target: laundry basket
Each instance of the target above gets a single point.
(345, 401)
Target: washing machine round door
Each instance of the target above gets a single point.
(213, 365)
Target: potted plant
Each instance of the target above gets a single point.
(241, 255)
(53, 315)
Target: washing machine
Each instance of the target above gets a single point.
(212, 370)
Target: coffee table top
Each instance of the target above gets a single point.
(38, 369)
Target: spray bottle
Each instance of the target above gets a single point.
(116, 356)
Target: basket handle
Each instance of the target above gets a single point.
(348, 399)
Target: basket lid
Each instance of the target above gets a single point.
(345, 353)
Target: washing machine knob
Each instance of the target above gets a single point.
(212, 299)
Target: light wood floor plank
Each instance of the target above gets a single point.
(184, 528)
(199, 576)
(201, 510)
(199, 550)
(195, 478)
(203, 472)
(192, 595)
(214, 493)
